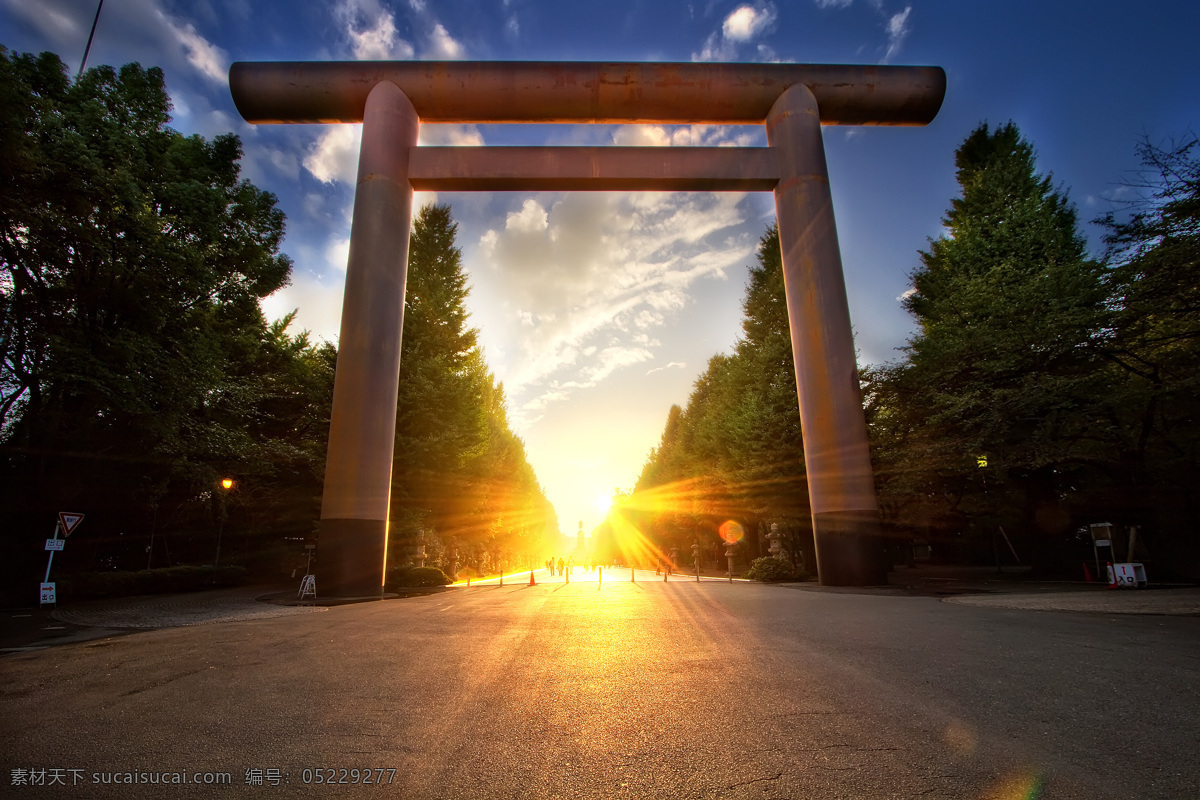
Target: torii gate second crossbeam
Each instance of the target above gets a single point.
(392, 98)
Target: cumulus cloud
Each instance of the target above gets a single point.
(208, 59)
(141, 29)
(450, 135)
(747, 22)
(590, 277)
(897, 31)
(370, 30)
(682, 136)
(55, 19)
(741, 26)
(443, 46)
(334, 155)
(318, 306)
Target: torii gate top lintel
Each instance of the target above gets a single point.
(585, 92)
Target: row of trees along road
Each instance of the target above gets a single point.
(137, 370)
(1044, 389)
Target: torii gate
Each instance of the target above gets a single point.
(392, 98)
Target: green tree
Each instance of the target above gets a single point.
(736, 451)
(460, 475)
(132, 347)
(1004, 365)
(1152, 344)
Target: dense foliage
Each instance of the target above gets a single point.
(460, 478)
(1044, 389)
(735, 452)
(137, 371)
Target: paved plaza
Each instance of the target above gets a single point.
(612, 689)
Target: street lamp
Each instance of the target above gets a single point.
(226, 485)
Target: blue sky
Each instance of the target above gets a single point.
(598, 311)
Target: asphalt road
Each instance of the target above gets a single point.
(675, 690)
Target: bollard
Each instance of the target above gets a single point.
(599, 576)
(632, 572)
(468, 581)
(501, 578)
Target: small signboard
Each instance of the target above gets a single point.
(48, 594)
(55, 544)
(69, 520)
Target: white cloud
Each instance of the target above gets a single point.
(56, 24)
(334, 155)
(452, 135)
(137, 30)
(590, 277)
(897, 31)
(747, 22)
(442, 45)
(259, 156)
(532, 218)
(681, 136)
(741, 26)
(208, 59)
(318, 306)
(337, 254)
(671, 365)
(370, 30)
(833, 3)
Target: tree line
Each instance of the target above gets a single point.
(141, 384)
(1043, 390)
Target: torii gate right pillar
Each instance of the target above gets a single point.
(841, 485)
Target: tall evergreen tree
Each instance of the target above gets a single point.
(1003, 369)
(459, 473)
(736, 451)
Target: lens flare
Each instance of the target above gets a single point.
(732, 532)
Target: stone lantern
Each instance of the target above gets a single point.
(419, 549)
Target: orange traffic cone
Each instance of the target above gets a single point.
(531, 582)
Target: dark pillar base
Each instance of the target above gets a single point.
(849, 549)
(350, 556)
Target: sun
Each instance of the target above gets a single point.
(603, 503)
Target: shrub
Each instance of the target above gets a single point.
(166, 580)
(774, 570)
(409, 576)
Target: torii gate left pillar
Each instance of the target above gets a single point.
(362, 430)
(392, 98)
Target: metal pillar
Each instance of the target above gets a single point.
(841, 486)
(362, 431)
